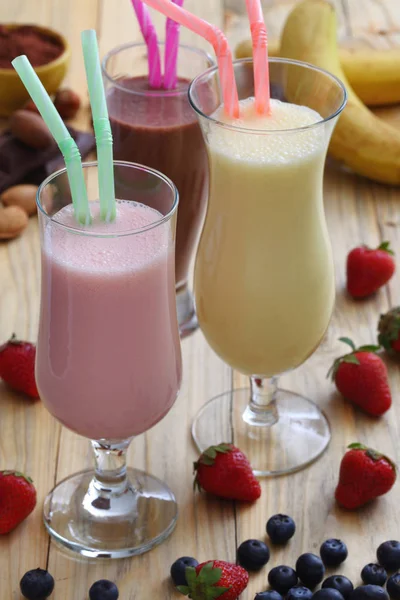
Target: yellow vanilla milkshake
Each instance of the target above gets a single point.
(264, 272)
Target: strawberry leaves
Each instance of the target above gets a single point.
(202, 585)
(374, 455)
(349, 342)
(385, 246)
(208, 458)
(16, 474)
(351, 356)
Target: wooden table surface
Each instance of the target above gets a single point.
(32, 441)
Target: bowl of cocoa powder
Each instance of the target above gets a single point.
(47, 50)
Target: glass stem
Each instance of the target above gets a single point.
(110, 467)
(261, 410)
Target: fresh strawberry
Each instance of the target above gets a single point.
(225, 471)
(214, 579)
(389, 330)
(364, 475)
(17, 366)
(361, 377)
(369, 269)
(17, 499)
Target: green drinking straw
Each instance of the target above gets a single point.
(67, 145)
(101, 125)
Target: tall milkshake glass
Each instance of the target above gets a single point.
(108, 362)
(264, 280)
(158, 128)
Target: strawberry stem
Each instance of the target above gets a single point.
(357, 446)
(385, 246)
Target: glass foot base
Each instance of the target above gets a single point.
(299, 437)
(187, 318)
(110, 526)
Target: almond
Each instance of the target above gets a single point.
(67, 102)
(13, 221)
(29, 128)
(23, 195)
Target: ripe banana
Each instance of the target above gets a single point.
(361, 140)
(245, 48)
(373, 74)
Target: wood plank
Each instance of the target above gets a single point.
(29, 437)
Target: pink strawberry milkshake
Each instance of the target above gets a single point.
(108, 358)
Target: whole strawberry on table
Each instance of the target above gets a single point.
(361, 377)
(17, 366)
(369, 269)
(17, 499)
(364, 475)
(225, 471)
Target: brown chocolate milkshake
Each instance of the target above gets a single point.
(162, 132)
(159, 129)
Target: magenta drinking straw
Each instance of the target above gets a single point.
(171, 51)
(150, 37)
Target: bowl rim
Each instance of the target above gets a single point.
(65, 55)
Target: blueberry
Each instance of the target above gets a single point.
(299, 592)
(339, 583)
(282, 578)
(253, 555)
(268, 595)
(280, 528)
(36, 584)
(333, 552)
(178, 569)
(393, 586)
(388, 555)
(103, 590)
(327, 594)
(374, 574)
(310, 569)
(369, 592)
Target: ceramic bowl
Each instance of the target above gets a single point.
(13, 94)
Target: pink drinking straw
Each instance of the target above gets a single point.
(171, 51)
(260, 56)
(150, 37)
(216, 38)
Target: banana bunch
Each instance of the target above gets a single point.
(373, 74)
(361, 140)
